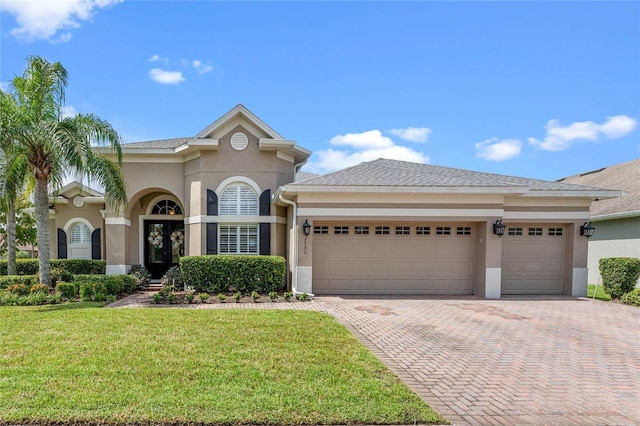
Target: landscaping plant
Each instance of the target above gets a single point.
(619, 275)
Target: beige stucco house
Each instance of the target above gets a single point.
(617, 220)
(384, 226)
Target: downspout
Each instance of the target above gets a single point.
(294, 244)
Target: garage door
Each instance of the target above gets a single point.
(533, 258)
(392, 258)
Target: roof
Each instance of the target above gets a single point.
(300, 176)
(163, 143)
(623, 176)
(394, 173)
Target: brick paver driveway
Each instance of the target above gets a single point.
(537, 361)
(510, 361)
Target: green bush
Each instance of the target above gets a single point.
(39, 288)
(619, 274)
(222, 273)
(107, 284)
(27, 280)
(19, 289)
(631, 298)
(67, 290)
(173, 277)
(141, 275)
(72, 266)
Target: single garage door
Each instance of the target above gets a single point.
(392, 258)
(533, 259)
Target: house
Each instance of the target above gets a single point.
(383, 226)
(617, 221)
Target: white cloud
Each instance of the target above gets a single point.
(202, 68)
(559, 138)
(412, 134)
(359, 147)
(68, 111)
(45, 19)
(166, 77)
(154, 58)
(495, 149)
(4, 86)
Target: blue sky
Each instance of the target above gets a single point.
(541, 89)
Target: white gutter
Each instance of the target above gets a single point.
(294, 244)
(612, 216)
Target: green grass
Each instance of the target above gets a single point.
(600, 295)
(81, 364)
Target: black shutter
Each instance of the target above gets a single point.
(95, 245)
(265, 238)
(212, 203)
(265, 203)
(62, 244)
(212, 238)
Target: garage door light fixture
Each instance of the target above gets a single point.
(498, 228)
(587, 229)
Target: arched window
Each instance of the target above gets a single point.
(166, 207)
(238, 200)
(80, 234)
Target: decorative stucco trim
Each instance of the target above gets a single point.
(493, 283)
(238, 179)
(285, 157)
(382, 212)
(117, 221)
(511, 215)
(234, 219)
(161, 197)
(117, 269)
(67, 226)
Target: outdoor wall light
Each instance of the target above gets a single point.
(498, 228)
(306, 228)
(587, 229)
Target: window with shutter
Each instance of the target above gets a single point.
(238, 200)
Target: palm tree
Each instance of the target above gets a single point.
(48, 146)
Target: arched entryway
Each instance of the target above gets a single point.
(163, 235)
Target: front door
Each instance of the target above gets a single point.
(164, 244)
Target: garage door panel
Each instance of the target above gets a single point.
(392, 263)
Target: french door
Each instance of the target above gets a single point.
(163, 245)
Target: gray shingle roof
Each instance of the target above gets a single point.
(623, 176)
(159, 144)
(300, 176)
(385, 172)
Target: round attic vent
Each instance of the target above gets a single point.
(78, 202)
(239, 141)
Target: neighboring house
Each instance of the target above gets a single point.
(383, 226)
(617, 221)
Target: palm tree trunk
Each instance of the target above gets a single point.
(41, 207)
(11, 238)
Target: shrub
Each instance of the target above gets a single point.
(287, 296)
(237, 296)
(173, 277)
(619, 275)
(273, 296)
(86, 292)
(203, 297)
(42, 288)
(303, 297)
(108, 284)
(72, 266)
(66, 290)
(19, 289)
(218, 273)
(255, 296)
(27, 280)
(189, 297)
(222, 297)
(58, 273)
(165, 295)
(141, 275)
(631, 298)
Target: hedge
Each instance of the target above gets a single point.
(28, 280)
(225, 273)
(72, 266)
(619, 274)
(106, 284)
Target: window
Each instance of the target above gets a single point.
(341, 230)
(463, 230)
(423, 230)
(239, 239)
(535, 231)
(238, 200)
(514, 231)
(166, 207)
(555, 232)
(443, 230)
(361, 230)
(382, 230)
(80, 234)
(403, 230)
(321, 230)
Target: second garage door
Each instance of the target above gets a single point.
(533, 258)
(392, 258)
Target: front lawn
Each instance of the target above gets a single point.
(600, 295)
(170, 366)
